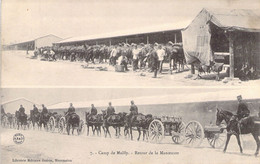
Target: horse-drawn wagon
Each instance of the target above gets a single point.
(166, 126)
(191, 134)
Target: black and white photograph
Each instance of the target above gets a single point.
(130, 81)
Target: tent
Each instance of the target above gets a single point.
(223, 30)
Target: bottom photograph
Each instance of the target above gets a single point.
(130, 125)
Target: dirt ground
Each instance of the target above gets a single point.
(41, 145)
(19, 70)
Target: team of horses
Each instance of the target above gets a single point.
(141, 122)
(39, 120)
(102, 53)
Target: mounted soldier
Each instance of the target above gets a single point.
(93, 112)
(242, 113)
(70, 111)
(133, 110)
(35, 109)
(22, 110)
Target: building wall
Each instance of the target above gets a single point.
(46, 41)
(204, 112)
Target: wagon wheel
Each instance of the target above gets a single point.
(52, 124)
(194, 133)
(217, 140)
(179, 136)
(62, 125)
(81, 127)
(156, 131)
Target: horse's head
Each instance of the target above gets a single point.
(222, 115)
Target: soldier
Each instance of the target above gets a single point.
(242, 110)
(35, 109)
(110, 109)
(161, 54)
(133, 109)
(2, 111)
(70, 111)
(93, 110)
(154, 60)
(135, 53)
(44, 109)
(22, 110)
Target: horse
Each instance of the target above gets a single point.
(141, 122)
(21, 118)
(248, 125)
(4, 120)
(73, 123)
(114, 120)
(95, 122)
(10, 120)
(44, 119)
(35, 118)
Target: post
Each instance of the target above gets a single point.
(96, 42)
(231, 55)
(126, 40)
(147, 39)
(175, 38)
(110, 42)
(192, 69)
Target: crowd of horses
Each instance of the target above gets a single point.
(102, 54)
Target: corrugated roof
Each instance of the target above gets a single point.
(166, 99)
(239, 19)
(145, 30)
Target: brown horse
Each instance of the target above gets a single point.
(73, 123)
(141, 122)
(21, 120)
(95, 122)
(247, 125)
(114, 120)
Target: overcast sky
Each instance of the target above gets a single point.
(24, 20)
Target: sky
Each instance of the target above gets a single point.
(24, 20)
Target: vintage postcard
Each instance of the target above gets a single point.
(130, 81)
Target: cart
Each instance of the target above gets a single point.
(62, 126)
(195, 133)
(167, 126)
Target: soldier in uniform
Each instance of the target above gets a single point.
(44, 109)
(70, 111)
(242, 110)
(35, 109)
(110, 110)
(154, 60)
(2, 111)
(133, 109)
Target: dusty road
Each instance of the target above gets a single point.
(50, 147)
(19, 70)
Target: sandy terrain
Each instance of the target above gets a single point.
(39, 145)
(19, 70)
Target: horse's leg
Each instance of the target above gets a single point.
(108, 131)
(87, 130)
(131, 135)
(257, 143)
(239, 143)
(227, 141)
(139, 133)
(143, 134)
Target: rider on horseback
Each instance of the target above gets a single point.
(2, 111)
(242, 113)
(21, 110)
(110, 110)
(133, 110)
(93, 111)
(35, 109)
(70, 111)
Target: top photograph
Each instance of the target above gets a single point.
(142, 43)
